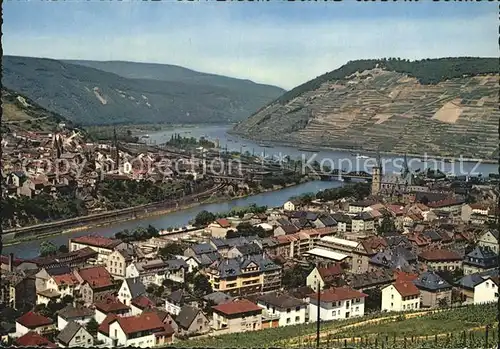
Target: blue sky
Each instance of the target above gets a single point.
(279, 43)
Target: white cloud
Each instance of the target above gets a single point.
(285, 55)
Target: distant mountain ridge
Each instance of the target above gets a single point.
(117, 94)
(446, 107)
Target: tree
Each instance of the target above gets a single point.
(170, 250)
(47, 248)
(63, 249)
(204, 218)
(92, 327)
(152, 231)
(67, 299)
(443, 302)
(201, 285)
(386, 226)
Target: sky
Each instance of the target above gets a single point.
(278, 42)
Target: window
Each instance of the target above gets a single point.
(297, 308)
(392, 296)
(77, 339)
(297, 318)
(199, 320)
(404, 307)
(288, 320)
(288, 310)
(392, 304)
(357, 308)
(358, 300)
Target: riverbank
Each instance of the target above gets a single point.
(364, 151)
(147, 214)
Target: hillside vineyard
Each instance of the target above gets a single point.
(400, 110)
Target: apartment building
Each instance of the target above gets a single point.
(239, 276)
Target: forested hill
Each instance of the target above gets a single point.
(91, 96)
(443, 106)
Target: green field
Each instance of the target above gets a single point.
(427, 330)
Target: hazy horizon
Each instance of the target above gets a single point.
(262, 43)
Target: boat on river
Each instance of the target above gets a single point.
(361, 157)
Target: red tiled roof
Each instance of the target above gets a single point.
(224, 223)
(406, 289)
(444, 203)
(144, 322)
(110, 306)
(440, 255)
(142, 302)
(33, 320)
(104, 326)
(96, 277)
(332, 270)
(65, 279)
(237, 307)
(373, 244)
(97, 241)
(396, 209)
(419, 239)
(33, 339)
(479, 207)
(338, 294)
(401, 276)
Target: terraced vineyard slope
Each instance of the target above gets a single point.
(445, 107)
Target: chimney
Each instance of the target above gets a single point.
(11, 262)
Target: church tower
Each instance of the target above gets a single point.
(377, 177)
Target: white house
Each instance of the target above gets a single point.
(81, 315)
(142, 331)
(489, 239)
(486, 291)
(191, 262)
(102, 245)
(337, 303)
(289, 206)
(322, 276)
(74, 335)
(289, 310)
(130, 289)
(400, 296)
(32, 321)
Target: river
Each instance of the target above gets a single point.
(333, 159)
(30, 249)
(339, 159)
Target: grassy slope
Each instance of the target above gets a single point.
(69, 90)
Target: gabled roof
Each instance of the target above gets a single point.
(70, 312)
(96, 277)
(224, 223)
(186, 316)
(218, 297)
(33, 320)
(97, 241)
(144, 322)
(142, 302)
(104, 326)
(203, 248)
(237, 307)
(111, 306)
(68, 332)
(335, 294)
(33, 339)
(440, 255)
(406, 288)
(281, 301)
(135, 286)
(431, 281)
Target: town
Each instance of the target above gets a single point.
(405, 244)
